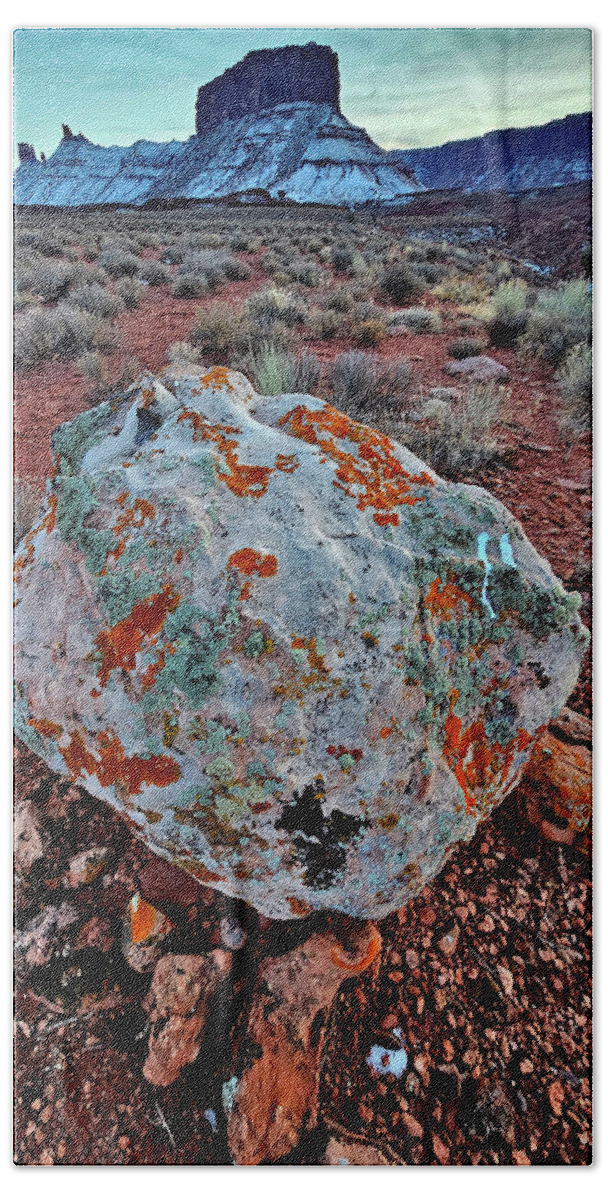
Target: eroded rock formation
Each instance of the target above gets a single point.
(265, 78)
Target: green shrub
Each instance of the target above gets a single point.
(154, 273)
(45, 279)
(400, 283)
(417, 320)
(96, 299)
(560, 319)
(575, 379)
(325, 324)
(117, 261)
(219, 331)
(341, 258)
(62, 332)
(463, 347)
(274, 371)
(274, 307)
(130, 291)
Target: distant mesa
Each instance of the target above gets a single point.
(271, 130)
(265, 78)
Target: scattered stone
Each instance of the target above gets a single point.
(355, 1154)
(144, 930)
(182, 988)
(277, 1097)
(87, 867)
(232, 935)
(45, 933)
(557, 783)
(448, 943)
(480, 369)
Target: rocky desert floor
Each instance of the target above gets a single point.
(486, 976)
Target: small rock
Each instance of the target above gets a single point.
(354, 1154)
(277, 1096)
(481, 369)
(427, 916)
(412, 959)
(181, 991)
(449, 941)
(86, 867)
(486, 925)
(413, 1126)
(232, 935)
(555, 1092)
(145, 928)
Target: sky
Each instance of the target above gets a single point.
(407, 87)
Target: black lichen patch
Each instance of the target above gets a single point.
(321, 841)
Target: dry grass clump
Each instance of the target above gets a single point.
(366, 387)
(453, 434)
(275, 371)
(62, 333)
(417, 320)
(575, 381)
(271, 307)
(219, 332)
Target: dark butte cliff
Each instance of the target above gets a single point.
(265, 78)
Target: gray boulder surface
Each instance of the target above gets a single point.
(301, 664)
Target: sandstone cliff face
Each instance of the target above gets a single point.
(265, 78)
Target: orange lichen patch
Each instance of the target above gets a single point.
(50, 518)
(147, 396)
(178, 556)
(119, 645)
(476, 762)
(372, 474)
(443, 600)
(354, 967)
(389, 821)
(242, 479)
(136, 515)
(122, 498)
(386, 731)
(149, 675)
(114, 767)
(143, 918)
(298, 907)
(48, 729)
(286, 462)
(253, 562)
(217, 378)
(25, 559)
(316, 660)
(198, 870)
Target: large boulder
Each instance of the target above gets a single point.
(300, 663)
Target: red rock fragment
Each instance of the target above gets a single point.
(182, 988)
(278, 1095)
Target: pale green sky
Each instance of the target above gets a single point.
(407, 87)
